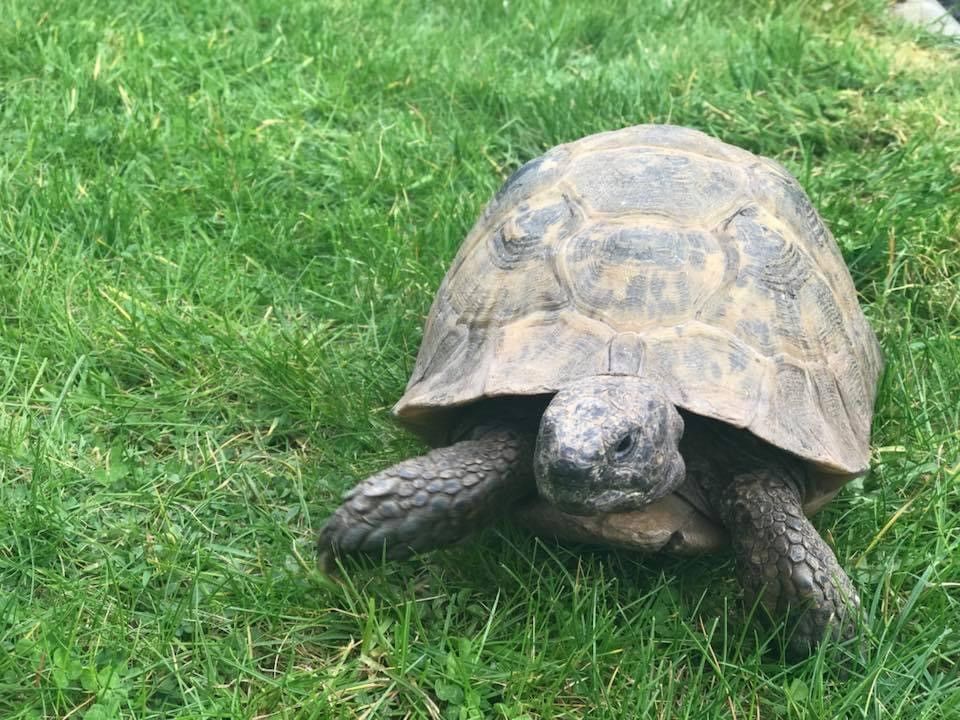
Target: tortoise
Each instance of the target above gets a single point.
(648, 340)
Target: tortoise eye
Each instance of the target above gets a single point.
(625, 446)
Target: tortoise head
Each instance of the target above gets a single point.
(608, 443)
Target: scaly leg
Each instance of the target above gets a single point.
(783, 561)
(433, 500)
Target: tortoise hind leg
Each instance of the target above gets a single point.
(432, 500)
(784, 563)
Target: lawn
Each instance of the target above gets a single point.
(221, 226)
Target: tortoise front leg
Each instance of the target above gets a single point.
(783, 561)
(433, 500)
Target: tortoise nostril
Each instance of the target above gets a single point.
(567, 473)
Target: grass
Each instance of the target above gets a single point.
(221, 225)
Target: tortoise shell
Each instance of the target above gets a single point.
(662, 252)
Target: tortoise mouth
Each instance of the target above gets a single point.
(615, 499)
(609, 501)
